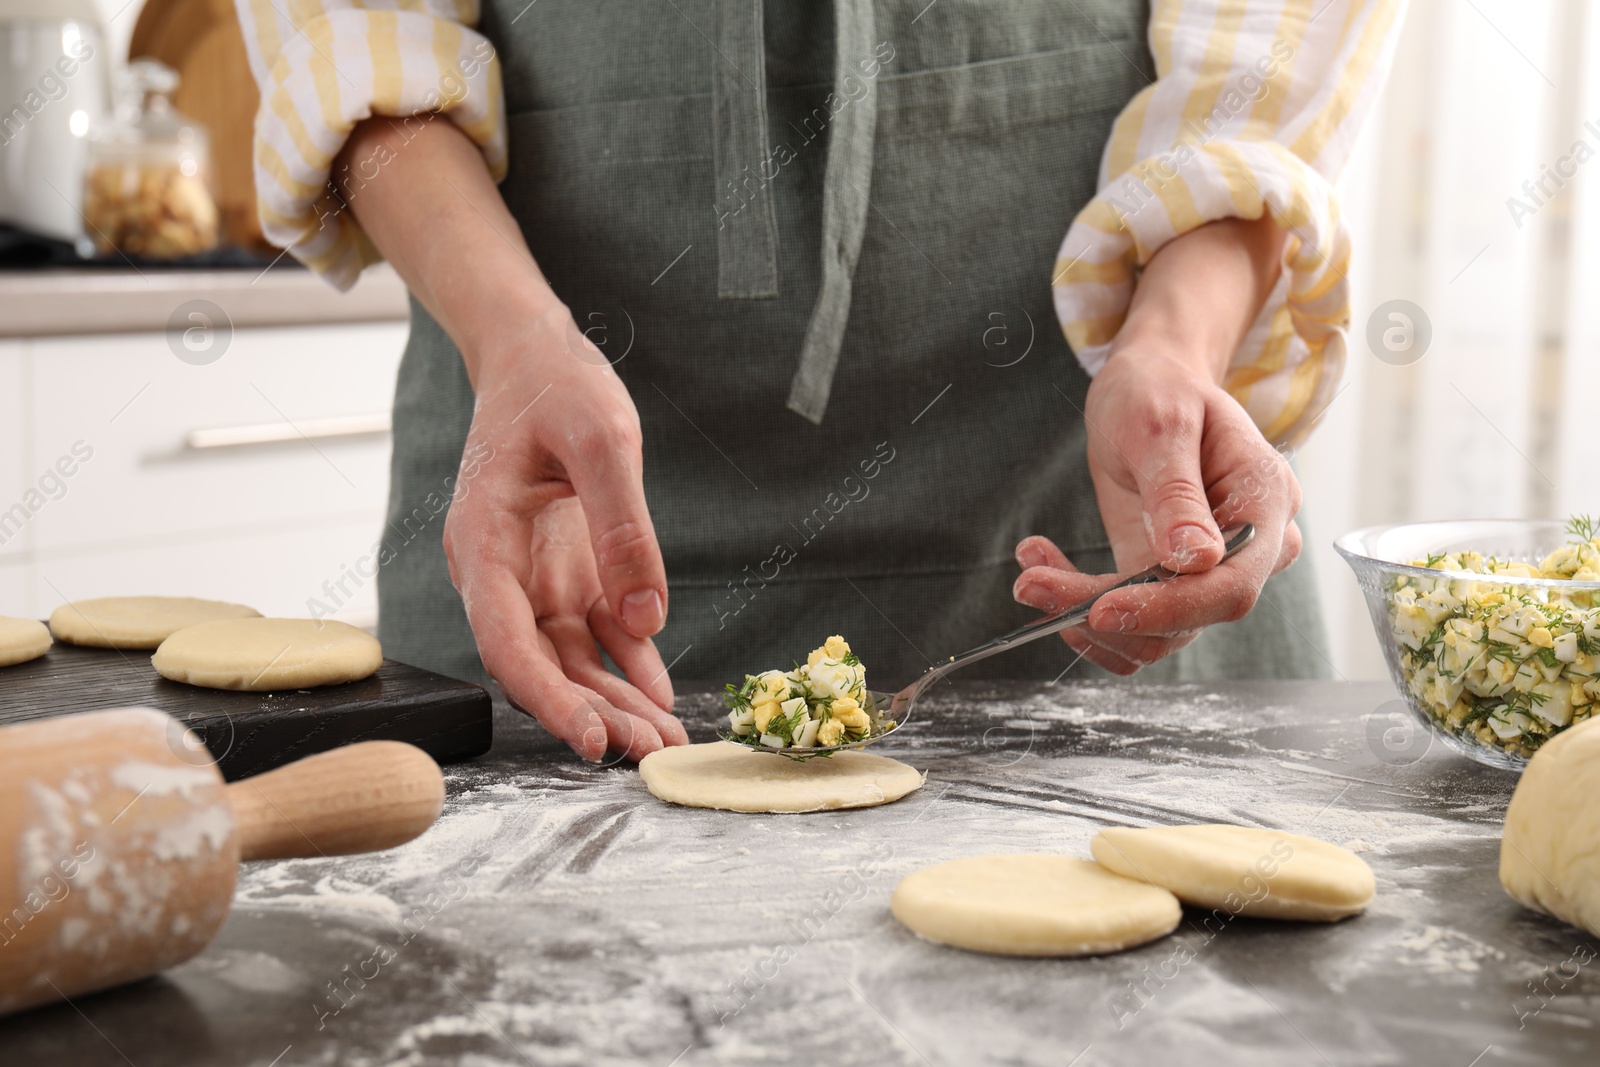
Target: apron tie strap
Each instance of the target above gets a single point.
(747, 227)
(846, 185)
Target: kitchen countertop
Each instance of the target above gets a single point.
(559, 914)
(71, 302)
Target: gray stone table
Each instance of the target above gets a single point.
(559, 914)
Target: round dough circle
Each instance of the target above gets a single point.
(22, 640)
(136, 621)
(265, 654)
(1267, 874)
(1550, 854)
(1032, 905)
(734, 777)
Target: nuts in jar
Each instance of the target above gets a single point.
(149, 209)
(146, 185)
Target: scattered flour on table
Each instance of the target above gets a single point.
(1438, 950)
(668, 907)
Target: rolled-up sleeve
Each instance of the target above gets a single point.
(1254, 111)
(322, 67)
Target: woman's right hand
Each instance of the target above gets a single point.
(548, 538)
(551, 546)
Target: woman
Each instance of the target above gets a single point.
(759, 310)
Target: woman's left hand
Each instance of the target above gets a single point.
(1174, 457)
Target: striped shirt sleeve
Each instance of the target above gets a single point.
(325, 65)
(1254, 110)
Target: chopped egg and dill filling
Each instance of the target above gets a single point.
(818, 704)
(1506, 666)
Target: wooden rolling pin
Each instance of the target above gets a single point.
(120, 843)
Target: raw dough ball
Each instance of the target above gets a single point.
(1032, 906)
(22, 640)
(736, 778)
(136, 621)
(264, 654)
(1264, 873)
(1550, 854)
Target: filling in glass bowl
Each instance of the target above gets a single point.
(1506, 666)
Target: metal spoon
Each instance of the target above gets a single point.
(899, 705)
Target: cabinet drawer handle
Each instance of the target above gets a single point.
(272, 433)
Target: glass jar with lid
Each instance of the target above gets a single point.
(147, 185)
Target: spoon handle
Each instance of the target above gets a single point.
(1234, 538)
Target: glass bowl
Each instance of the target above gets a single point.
(1487, 690)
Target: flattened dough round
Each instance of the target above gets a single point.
(1267, 874)
(264, 654)
(1032, 906)
(1550, 853)
(136, 621)
(22, 640)
(735, 778)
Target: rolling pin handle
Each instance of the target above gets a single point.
(360, 798)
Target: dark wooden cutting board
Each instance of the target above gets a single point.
(249, 733)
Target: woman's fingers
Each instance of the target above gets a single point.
(1056, 586)
(1053, 590)
(639, 694)
(1122, 653)
(1140, 649)
(1039, 551)
(556, 523)
(1292, 542)
(1225, 593)
(509, 645)
(638, 657)
(1251, 483)
(602, 452)
(633, 729)
(668, 729)
(1178, 524)
(486, 545)
(1096, 654)
(628, 734)
(627, 556)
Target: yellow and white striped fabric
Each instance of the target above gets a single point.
(325, 65)
(1255, 107)
(1254, 110)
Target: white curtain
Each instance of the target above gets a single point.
(1498, 416)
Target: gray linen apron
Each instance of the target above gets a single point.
(834, 316)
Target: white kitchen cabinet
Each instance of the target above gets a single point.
(135, 405)
(15, 577)
(279, 572)
(146, 511)
(13, 468)
(13, 439)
